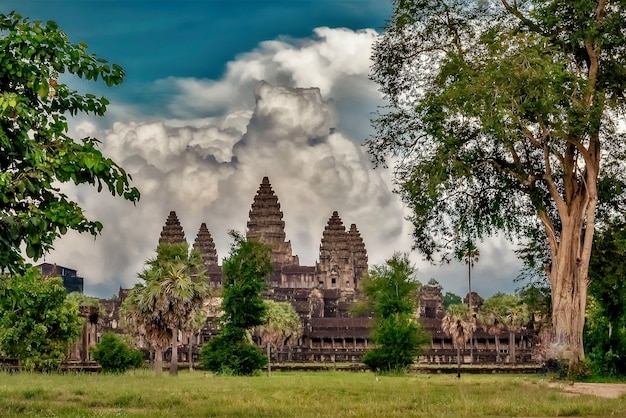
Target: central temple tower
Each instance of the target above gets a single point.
(266, 225)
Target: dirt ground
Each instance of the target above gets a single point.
(605, 390)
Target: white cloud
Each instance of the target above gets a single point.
(207, 160)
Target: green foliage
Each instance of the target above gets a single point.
(37, 322)
(245, 270)
(114, 355)
(451, 299)
(390, 287)
(504, 117)
(605, 327)
(391, 292)
(400, 339)
(231, 355)
(459, 323)
(281, 322)
(172, 292)
(37, 154)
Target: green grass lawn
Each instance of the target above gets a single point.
(293, 394)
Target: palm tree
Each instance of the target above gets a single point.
(195, 327)
(517, 316)
(505, 312)
(460, 324)
(142, 324)
(490, 317)
(174, 289)
(470, 254)
(282, 323)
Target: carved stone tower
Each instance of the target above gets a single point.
(266, 225)
(205, 246)
(336, 266)
(172, 232)
(359, 254)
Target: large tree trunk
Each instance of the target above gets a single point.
(174, 359)
(570, 253)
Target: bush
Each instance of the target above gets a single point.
(114, 355)
(230, 356)
(399, 339)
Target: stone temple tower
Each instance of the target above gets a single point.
(343, 259)
(172, 232)
(205, 246)
(266, 225)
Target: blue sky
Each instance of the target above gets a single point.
(219, 94)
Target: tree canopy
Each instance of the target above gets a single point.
(499, 115)
(173, 290)
(391, 292)
(232, 350)
(36, 61)
(38, 323)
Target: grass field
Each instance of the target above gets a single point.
(293, 394)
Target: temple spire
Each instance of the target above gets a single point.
(266, 225)
(205, 246)
(172, 232)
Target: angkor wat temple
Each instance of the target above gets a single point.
(322, 294)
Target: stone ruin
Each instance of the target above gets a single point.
(321, 294)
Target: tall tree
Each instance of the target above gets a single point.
(232, 350)
(281, 323)
(391, 292)
(38, 323)
(501, 112)
(173, 291)
(460, 324)
(470, 254)
(37, 153)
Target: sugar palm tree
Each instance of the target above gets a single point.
(470, 254)
(460, 324)
(195, 327)
(142, 324)
(505, 312)
(174, 289)
(282, 323)
(490, 318)
(517, 316)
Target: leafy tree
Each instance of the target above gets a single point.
(37, 153)
(114, 354)
(391, 291)
(38, 323)
(605, 328)
(174, 289)
(500, 113)
(281, 323)
(460, 324)
(232, 350)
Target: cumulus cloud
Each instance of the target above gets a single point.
(280, 111)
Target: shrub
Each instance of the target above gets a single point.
(114, 355)
(226, 355)
(399, 340)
